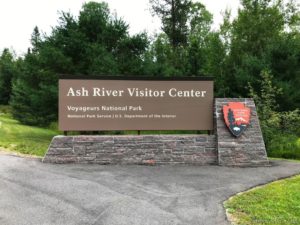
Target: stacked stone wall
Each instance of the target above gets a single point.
(246, 150)
(143, 149)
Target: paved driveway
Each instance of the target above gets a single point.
(42, 194)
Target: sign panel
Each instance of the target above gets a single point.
(237, 117)
(91, 105)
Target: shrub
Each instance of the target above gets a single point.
(5, 109)
(285, 146)
(281, 130)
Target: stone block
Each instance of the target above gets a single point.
(246, 150)
(163, 149)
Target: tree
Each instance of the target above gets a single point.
(230, 117)
(35, 39)
(7, 71)
(259, 22)
(284, 57)
(256, 40)
(199, 22)
(96, 43)
(272, 121)
(187, 26)
(214, 62)
(267, 106)
(174, 17)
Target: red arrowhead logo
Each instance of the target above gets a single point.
(237, 117)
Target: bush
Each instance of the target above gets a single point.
(53, 126)
(290, 122)
(285, 146)
(281, 130)
(266, 104)
(5, 109)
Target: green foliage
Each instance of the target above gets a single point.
(174, 17)
(183, 47)
(284, 57)
(266, 105)
(164, 61)
(262, 37)
(34, 98)
(199, 20)
(7, 71)
(285, 141)
(280, 129)
(258, 23)
(275, 203)
(97, 43)
(5, 109)
(290, 121)
(285, 146)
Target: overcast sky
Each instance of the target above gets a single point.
(18, 18)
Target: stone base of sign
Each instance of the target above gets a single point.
(220, 149)
(149, 150)
(246, 150)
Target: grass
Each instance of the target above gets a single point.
(23, 139)
(277, 203)
(290, 160)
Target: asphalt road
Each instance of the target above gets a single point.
(42, 194)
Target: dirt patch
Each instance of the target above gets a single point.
(4, 151)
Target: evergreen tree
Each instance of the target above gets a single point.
(264, 36)
(231, 119)
(187, 27)
(95, 43)
(174, 17)
(8, 70)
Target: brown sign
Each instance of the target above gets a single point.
(90, 105)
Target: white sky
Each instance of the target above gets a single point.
(19, 17)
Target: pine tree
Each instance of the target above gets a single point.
(231, 117)
(174, 16)
(7, 71)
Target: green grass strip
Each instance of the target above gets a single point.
(277, 203)
(24, 139)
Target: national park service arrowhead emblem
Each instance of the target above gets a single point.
(237, 117)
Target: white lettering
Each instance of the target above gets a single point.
(71, 92)
(173, 92)
(102, 92)
(135, 92)
(79, 92)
